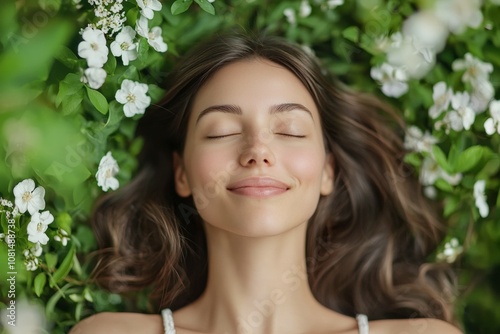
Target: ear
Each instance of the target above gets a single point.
(181, 182)
(327, 178)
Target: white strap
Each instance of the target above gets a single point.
(362, 323)
(168, 321)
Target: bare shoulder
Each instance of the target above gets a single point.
(112, 322)
(413, 326)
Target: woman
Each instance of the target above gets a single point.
(270, 200)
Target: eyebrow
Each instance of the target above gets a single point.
(236, 110)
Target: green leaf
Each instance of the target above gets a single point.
(87, 295)
(443, 185)
(67, 57)
(72, 103)
(143, 48)
(51, 303)
(136, 146)
(33, 59)
(489, 169)
(351, 33)
(131, 74)
(63, 220)
(440, 158)
(206, 6)
(469, 158)
(413, 159)
(115, 115)
(454, 153)
(450, 206)
(78, 311)
(98, 100)
(69, 86)
(155, 92)
(180, 6)
(51, 260)
(77, 268)
(76, 298)
(65, 267)
(110, 65)
(39, 284)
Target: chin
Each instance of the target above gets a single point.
(258, 227)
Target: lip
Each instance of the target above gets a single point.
(258, 187)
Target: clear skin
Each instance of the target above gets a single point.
(268, 136)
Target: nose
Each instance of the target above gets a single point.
(256, 154)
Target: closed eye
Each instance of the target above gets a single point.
(290, 135)
(222, 136)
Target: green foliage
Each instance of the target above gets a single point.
(55, 128)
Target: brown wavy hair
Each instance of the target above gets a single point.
(368, 242)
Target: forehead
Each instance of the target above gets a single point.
(252, 83)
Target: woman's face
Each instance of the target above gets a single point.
(254, 158)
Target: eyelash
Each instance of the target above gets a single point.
(223, 136)
(232, 134)
(289, 135)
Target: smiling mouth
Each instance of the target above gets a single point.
(258, 187)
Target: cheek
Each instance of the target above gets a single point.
(305, 164)
(210, 167)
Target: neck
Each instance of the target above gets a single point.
(256, 285)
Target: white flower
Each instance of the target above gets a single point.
(425, 27)
(482, 93)
(290, 16)
(101, 11)
(460, 104)
(393, 79)
(451, 120)
(442, 98)
(154, 36)
(133, 96)
(410, 54)
(6, 202)
(37, 227)
(148, 6)
(77, 3)
(382, 43)
(492, 124)
(417, 141)
(116, 8)
(475, 69)
(31, 264)
(430, 192)
(459, 14)
(108, 168)
(451, 251)
(36, 250)
(124, 45)
(480, 198)
(305, 8)
(62, 237)
(29, 198)
(94, 77)
(334, 3)
(431, 171)
(93, 47)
